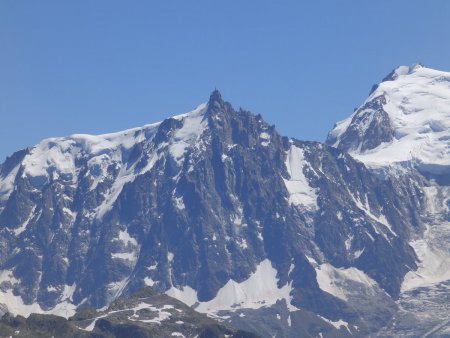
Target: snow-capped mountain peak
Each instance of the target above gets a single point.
(405, 118)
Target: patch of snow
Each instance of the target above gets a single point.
(69, 213)
(130, 250)
(242, 243)
(126, 175)
(16, 306)
(259, 290)
(348, 243)
(358, 253)
(162, 315)
(148, 281)
(311, 260)
(186, 294)
(338, 324)
(332, 280)
(23, 227)
(264, 136)
(265, 139)
(237, 218)
(128, 256)
(291, 268)
(300, 192)
(381, 219)
(179, 203)
(63, 309)
(7, 183)
(432, 250)
(125, 237)
(91, 326)
(193, 127)
(68, 292)
(434, 266)
(7, 276)
(152, 267)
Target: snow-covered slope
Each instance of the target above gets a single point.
(416, 102)
(58, 156)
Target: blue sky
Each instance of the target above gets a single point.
(100, 66)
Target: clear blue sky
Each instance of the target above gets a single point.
(99, 66)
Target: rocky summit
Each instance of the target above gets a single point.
(261, 232)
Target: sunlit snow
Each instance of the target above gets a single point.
(259, 290)
(301, 193)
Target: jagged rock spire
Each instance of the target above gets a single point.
(216, 105)
(215, 97)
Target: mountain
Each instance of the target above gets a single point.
(402, 130)
(144, 314)
(215, 208)
(406, 118)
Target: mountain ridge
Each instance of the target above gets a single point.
(218, 210)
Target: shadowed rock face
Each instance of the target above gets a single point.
(215, 208)
(369, 128)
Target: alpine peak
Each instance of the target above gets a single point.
(215, 96)
(405, 118)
